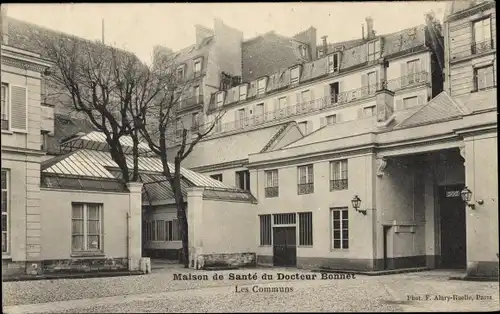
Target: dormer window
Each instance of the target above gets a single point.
(261, 86)
(197, 67)
(294, 75)
(333, 62)
(220, 99)
(374, 50)
(243, 92)
(303, 51)
(180, 72)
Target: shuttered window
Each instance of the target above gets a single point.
(18, 108)
(5, 106)
(305, 229)
(265, 229)
(484, 77)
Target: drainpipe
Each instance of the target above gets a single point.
(129, 260)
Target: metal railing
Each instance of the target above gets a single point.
(483, 46)
(340, 184)
(305, 188)
(272, 191)
(190, 102)
(408, 80)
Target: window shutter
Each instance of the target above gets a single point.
(364, 84)
(309, 127)
(421, 100)
(311, 96)
(403, 74)
(19, 108)
(322, 122)
(328, 98)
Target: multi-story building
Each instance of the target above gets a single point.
(24, 123)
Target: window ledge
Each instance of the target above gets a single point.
(6, 256)
(88, 254)
(339, 250)
(305, 246)
(7, 132)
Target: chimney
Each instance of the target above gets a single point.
(325, 45)
(202, 32)
(369, 28)
(363, 31)
(5, 26)
(308, 37)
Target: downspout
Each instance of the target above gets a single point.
(129, 261)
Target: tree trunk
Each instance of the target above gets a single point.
(175, 182)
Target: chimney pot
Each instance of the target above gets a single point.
(369, 27)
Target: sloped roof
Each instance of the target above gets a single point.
(267, 54)
(96, 140)
(336, 131)
(440, 108)
(213, 151)
(455, 6)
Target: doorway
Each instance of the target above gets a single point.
(453, 227)
(284, 247)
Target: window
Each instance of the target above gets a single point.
(294, 75)
(86, 227)
(163, 230)
(243, 92)
(261, 86)
(240, 118)
(340, 228)
(5, 106)
(272, 187)
(331, 119)
(194, 121)
(373, 50)
(305, 229)
(484, 78)
(197, 68)
(175, 230)
(412, 69)
(303, 127)
(220, 99)
(306, 179)
(410, 102)
(284, 219)
(303, 51)
(178, 127)
(482, 36)
(369, 111)
(282, 103)
(5, 212)
(243, 180)
(334, 92)
(305, 97)
(181, 72)
(259, 109)
(44, 140)
(160, 230)
(333, 63)
(265, 229)
(217, 177)
(372, 83)
(197, 95)
(338, 175)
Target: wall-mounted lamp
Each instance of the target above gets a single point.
(356, 203)
(466, 195)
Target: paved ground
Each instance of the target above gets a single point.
(158, 292)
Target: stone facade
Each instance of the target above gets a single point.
(85, 265)
(230, 259)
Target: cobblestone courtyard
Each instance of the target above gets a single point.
(159, 292)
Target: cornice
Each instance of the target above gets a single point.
(23, 64)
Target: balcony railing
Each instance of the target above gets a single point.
(407, 81)
(272, 191)
(305, 188)
(480, 47)
(340, 184)
(191, 102)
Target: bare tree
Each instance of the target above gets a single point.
(123, 96)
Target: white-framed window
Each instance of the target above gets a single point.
(220, 99)
(243, 180)
(294, 75)
(369, 111)
(333, 62)
(338, 175)
(5, 109)
(409, 102)
(305, 179)
(303, 51)
(197, 67)
(281, 102)
(163, 230)
(412, 71)
(482, 31)
(44, 138)
(373, 50)
(372, 82)
(197, 94)
(243, 92)
(87, 233)
(241, 117)
(217, 177)
(194, 121)
(484, 77)
(331, 119)
(181, 72)
(178, 127)
(305, 96)
(272, 183)
(259, 110)
(340, 228)
(5, 212)
(261, 86)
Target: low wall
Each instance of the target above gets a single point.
(85, 265)
(230, 259)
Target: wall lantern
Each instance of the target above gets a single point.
(356, 203)
(466, 195)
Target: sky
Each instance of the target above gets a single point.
(138, 27)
